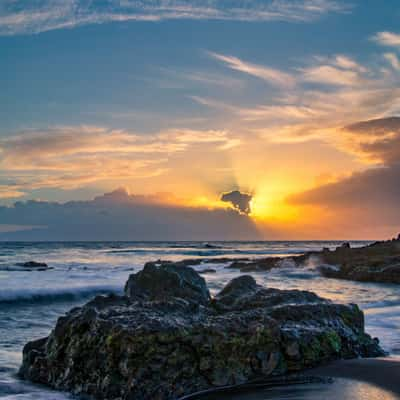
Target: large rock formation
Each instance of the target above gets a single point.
(166, 338)
(378, 262)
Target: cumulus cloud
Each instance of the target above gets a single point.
(240, 201)
(390, 39)
(18, 17)
(121, 216)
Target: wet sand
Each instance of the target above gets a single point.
(380, 372)
(358, 379)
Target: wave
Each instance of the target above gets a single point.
(194, 252)
(204, 245)
(382, 304)
(40, 296)
(207, 252)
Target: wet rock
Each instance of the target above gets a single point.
(378, 262)
(158, 343)
(267, 263)
(163, 281)
(34, 265)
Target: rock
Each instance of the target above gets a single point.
(33, 265)
(158, 343)
(378, 262)
(163, 281)
(266, 264)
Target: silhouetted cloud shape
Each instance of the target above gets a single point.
(122, 216)
(240, 201)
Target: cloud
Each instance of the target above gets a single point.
(10, 192)
(342, 91)
(240, 201)
(389, 39)
(377, 140)
(44, 15)
(340, 70)
(346, 62)
(376, 187)
(74, 156)
(271, 75)
(331, 76)
(121, 216)
(393, 60)
(368, 196)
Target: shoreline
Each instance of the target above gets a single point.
(382, 372)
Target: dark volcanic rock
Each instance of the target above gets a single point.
(160, 344)
(33, 265)
(163, 281)
(267, 263)
(378, 262)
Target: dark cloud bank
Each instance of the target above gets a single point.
(119, 216)
(373, 194)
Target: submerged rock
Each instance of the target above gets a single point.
(166, 338)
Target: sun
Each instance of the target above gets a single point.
(267, 207)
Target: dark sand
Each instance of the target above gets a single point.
(380, 372)
(349, 377)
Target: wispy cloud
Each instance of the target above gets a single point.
(73, 156)
(340, 70)
(393, 60)
(330, 75)
(271, 75)
(390, 39)
(343, 91)
(22, 17)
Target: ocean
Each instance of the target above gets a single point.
(31, 301)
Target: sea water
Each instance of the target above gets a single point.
(31, 301)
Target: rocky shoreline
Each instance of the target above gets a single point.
(166, 338)
(377, 262)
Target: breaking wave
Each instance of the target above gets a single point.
(31, 296)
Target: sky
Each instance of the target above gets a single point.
(243, 119)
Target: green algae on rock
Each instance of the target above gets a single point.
(164, 341)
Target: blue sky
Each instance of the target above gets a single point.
(191, 99)
(142, 75)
